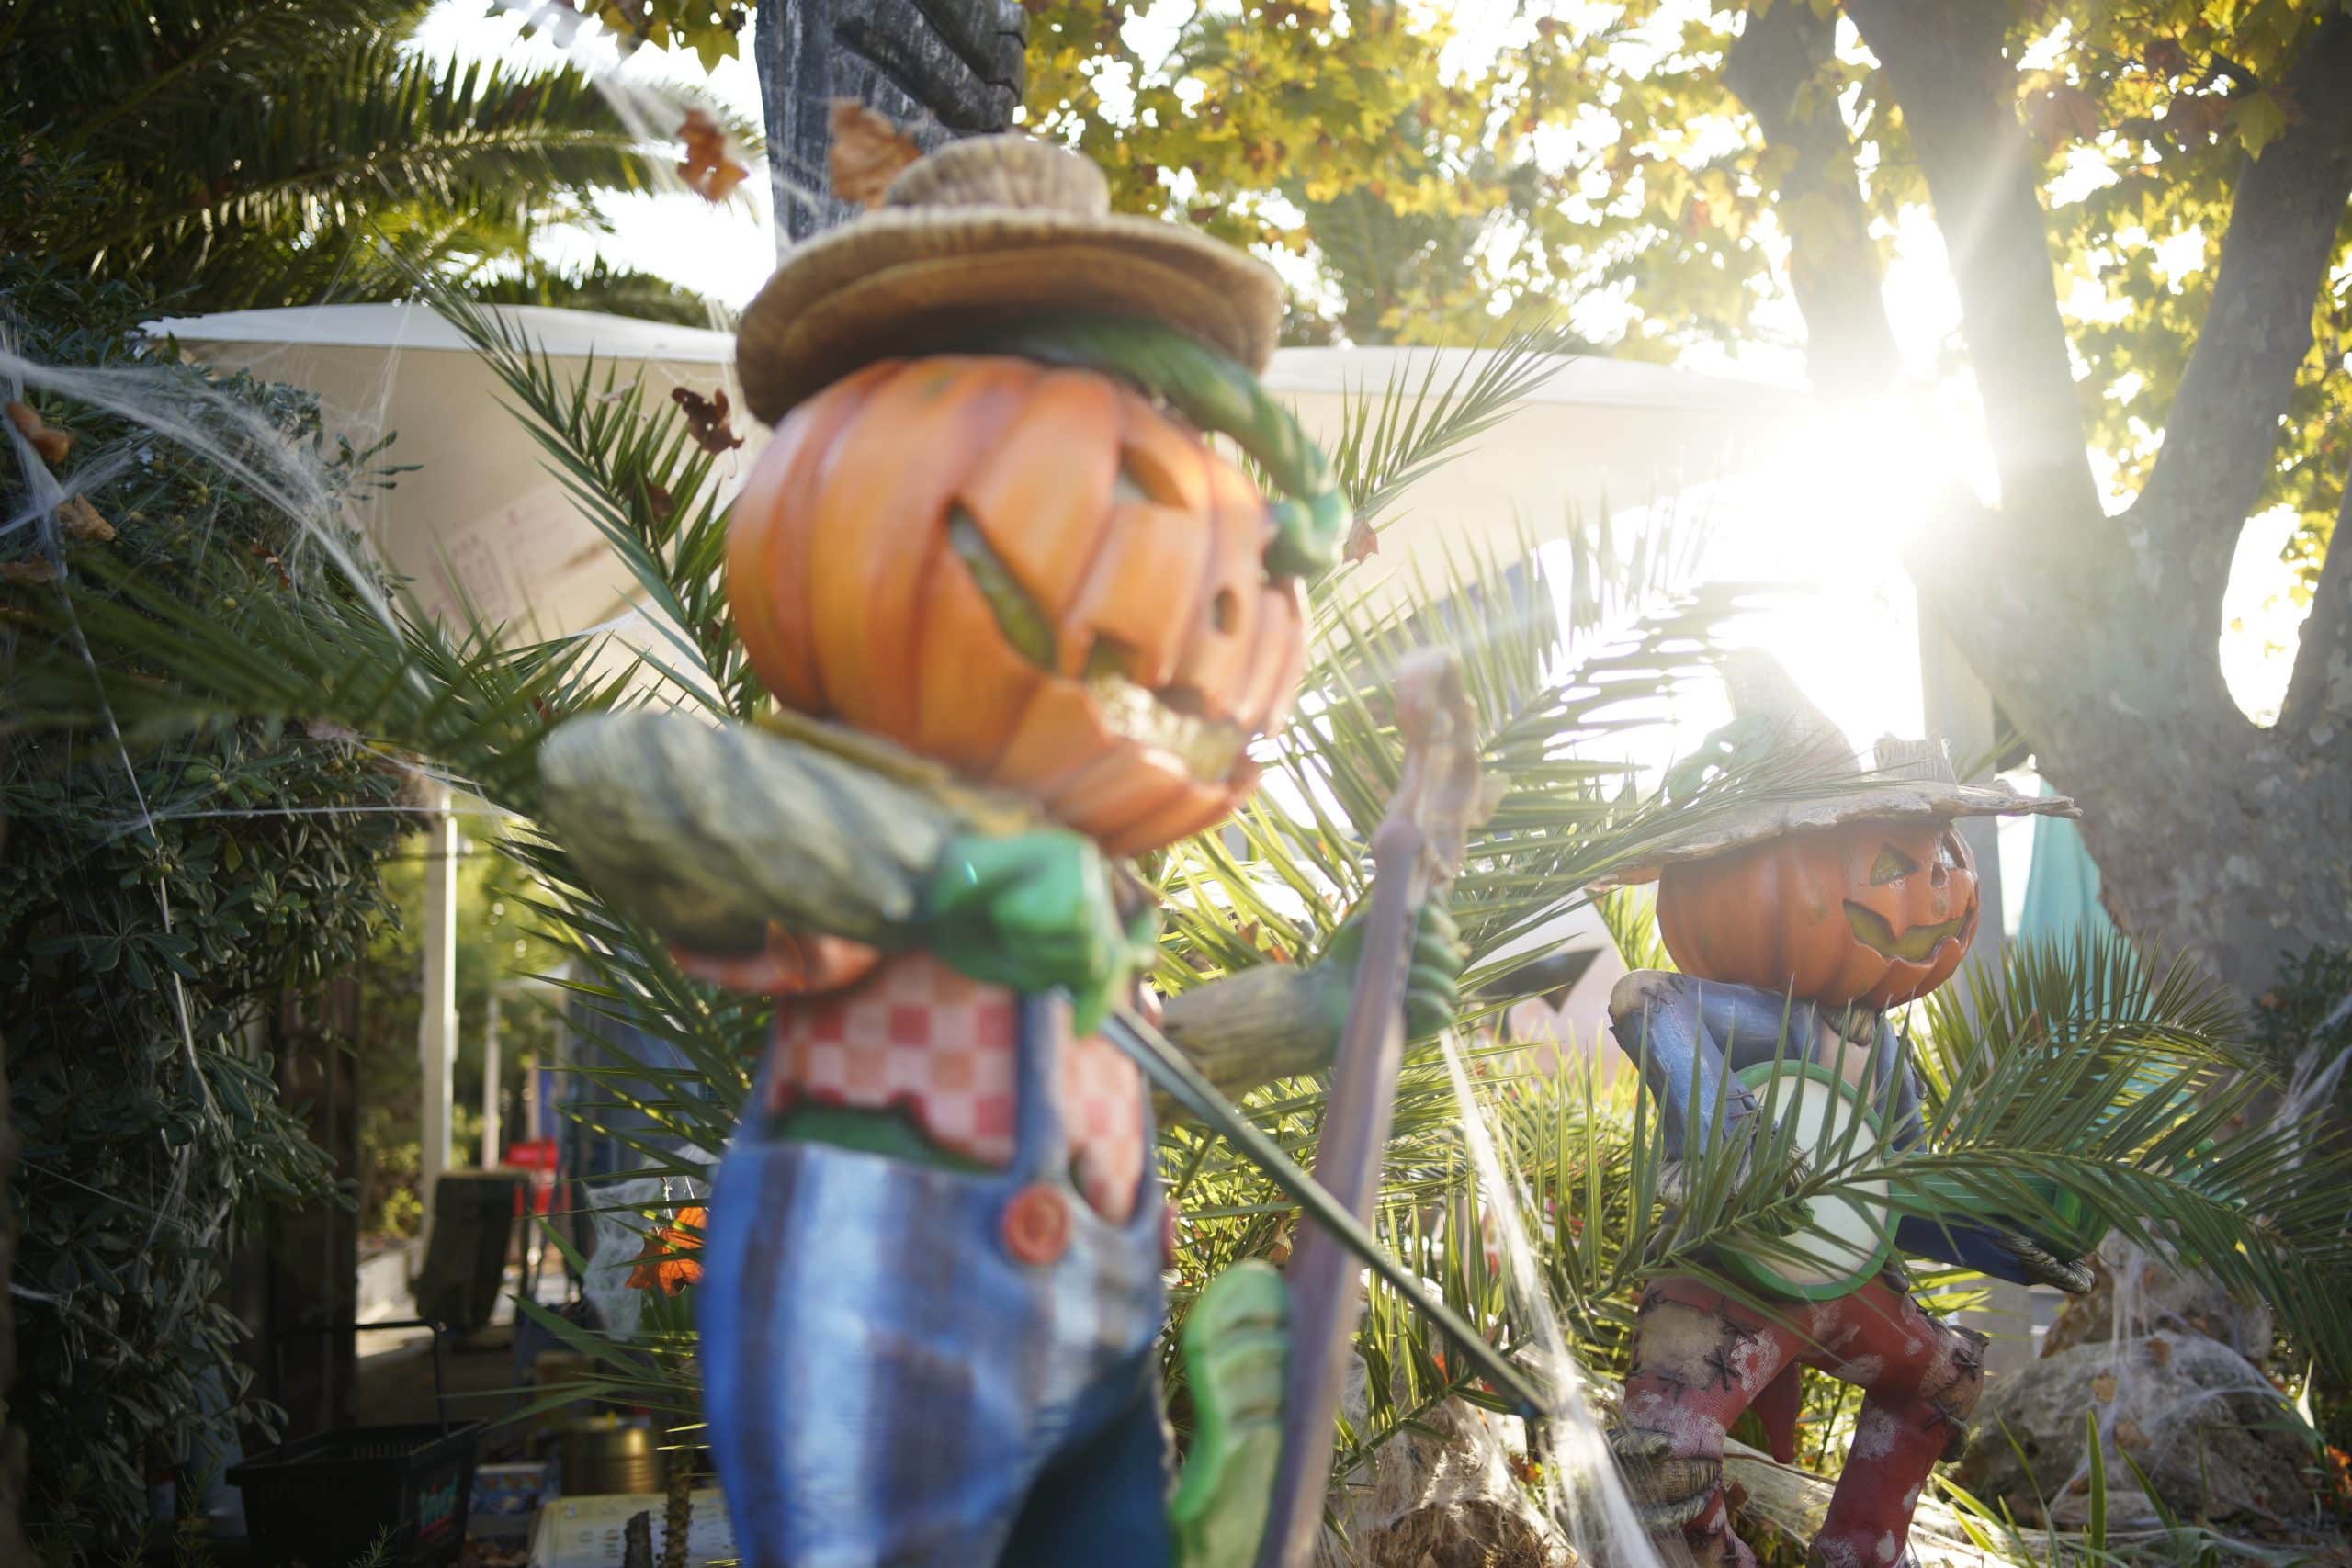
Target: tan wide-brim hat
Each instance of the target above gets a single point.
(1912, 785)
(981, 230)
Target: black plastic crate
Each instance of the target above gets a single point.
(323, 1501)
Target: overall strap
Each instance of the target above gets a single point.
(1041, 1142)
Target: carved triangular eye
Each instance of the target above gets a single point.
(1892, 865)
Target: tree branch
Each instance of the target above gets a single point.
(2320, 692)
(1958, 92)
(1833, 267)
(2222, 432)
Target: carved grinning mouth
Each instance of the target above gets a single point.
(1916, 945)
(1170, 719)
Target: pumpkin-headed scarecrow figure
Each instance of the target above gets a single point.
(1795, 925)
(1021, 622)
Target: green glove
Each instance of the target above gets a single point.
(1034, 912)
(1433, 976)
(1237, 1342)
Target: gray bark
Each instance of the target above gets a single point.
(941, 68)
(2222, 429)
(2214, 835)
(1833, 267)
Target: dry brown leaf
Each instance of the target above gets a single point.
(52, 445)
(707, 171)
(2159, 1349)
(868, 151)
(81, 521)
(706, 419)
(2128, 1435)
(1363, 541)
(2103, 1388)
(37, 570)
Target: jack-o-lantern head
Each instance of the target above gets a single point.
(1869, 913)
(1029, 574)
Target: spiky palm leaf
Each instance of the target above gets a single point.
(268, 153)
(620, 291)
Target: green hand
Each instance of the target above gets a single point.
(1433, 976)
(1235, 1342)
(1033, 911)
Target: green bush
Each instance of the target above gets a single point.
(161, 892)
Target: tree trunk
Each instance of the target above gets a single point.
(942, 68)
(2099, 635)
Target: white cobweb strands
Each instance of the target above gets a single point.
(47, 494)
(1583, 1492)
(229, 433)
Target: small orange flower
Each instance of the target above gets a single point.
(666, 1259)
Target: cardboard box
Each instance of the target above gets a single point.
(585, 1532)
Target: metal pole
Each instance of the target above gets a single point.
(437, 1034)
(492, 1100)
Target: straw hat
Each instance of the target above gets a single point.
(990, 226)
(1913, 782)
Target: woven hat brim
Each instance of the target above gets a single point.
(1904, 800)
(911, 280)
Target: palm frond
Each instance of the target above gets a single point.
(317, 152)
(1630, 916)
(1390, 438)
(637, 475)
(622, 291)
(132, 62)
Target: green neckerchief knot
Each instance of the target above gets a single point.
(1217, 395)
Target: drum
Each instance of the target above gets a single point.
(1848, 1234)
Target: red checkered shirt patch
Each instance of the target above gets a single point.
(916, 1036)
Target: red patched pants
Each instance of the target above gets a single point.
(1700, 1357)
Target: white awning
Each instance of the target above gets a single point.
(483, 522)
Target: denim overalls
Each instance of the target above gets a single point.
(911, 1365)
(1691, 1035)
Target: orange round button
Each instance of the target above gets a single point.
(1037, 1223)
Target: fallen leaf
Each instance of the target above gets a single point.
(52, 445)
(37, 570)
(2159, 1349)
(2128, 1435)
(706, 419)
(868, 151)
(2103, 1388)
(1362, 541)
(707, 171)
(81, 521)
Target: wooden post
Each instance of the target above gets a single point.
(491, 1097)
(942, 68)
(436, 1032)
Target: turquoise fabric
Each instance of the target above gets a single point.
(2061, 886)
